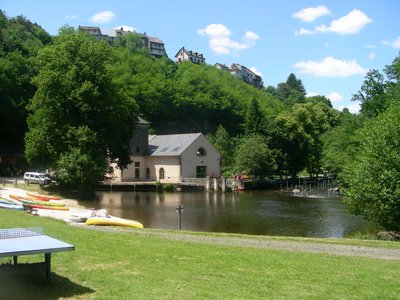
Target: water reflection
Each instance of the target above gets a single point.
(261, 212)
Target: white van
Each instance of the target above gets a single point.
(35, 177)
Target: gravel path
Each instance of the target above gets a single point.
(333, 249)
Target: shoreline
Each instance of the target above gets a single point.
(367, 250)
(72, 204)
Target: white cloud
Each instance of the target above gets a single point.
(334, 97)
(353, 107)
(394, 44)
(220, 39)
(103, 17)
(330, 67)
(311, 13)
(370, 46)
(251, 36)
(255, 71)
(351, 23)
(303, 31)
(126, 28)
(372, 55)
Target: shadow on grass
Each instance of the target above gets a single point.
(35, 286)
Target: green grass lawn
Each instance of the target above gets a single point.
(128, 265)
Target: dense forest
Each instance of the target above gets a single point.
(70, 102)
(291, 133)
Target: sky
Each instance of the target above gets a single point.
(328, 44)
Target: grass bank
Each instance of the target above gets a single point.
(128, 265)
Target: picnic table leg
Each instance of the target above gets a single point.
(15, 259)
(47, 259)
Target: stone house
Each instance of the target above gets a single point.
(169, 158)
(242, 73)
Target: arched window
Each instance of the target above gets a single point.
(201, 152)
(161, 173)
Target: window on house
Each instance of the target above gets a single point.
(201, 152)
(201, 171)
(161, 173)
(137, 173)
(137, 149)
(137, 163)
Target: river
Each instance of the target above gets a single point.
(249, 212)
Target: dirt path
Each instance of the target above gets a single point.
(333, 249)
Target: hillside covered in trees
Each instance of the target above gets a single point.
(65, 87)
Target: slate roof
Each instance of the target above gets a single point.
(170, 145)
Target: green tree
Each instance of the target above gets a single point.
(80, 117)
(149, 81)
(295, 137)
(131, 41)
(253, 157)
(296, 84)
(393, 74)
(373, 177)
(20, 40)
(319, 98)
(254, 120)
(290, 92)
(340, 144)
(225, 145)
(372, 94)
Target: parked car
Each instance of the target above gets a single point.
(35, 177)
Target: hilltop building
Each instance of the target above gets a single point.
(242, 73)
(188, 55)
(168, 158)
(153, 44)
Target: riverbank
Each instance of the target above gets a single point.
(121, 263)
(72, 204)
(343, 247)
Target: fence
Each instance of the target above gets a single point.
(193, 181)
(11, 180)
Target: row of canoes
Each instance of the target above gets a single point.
(7, 204)
(33, 201)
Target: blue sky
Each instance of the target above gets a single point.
(329, 45)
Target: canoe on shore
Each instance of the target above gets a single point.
(36, 206)
(43, 197)
(6, 201)
(20, 197)
(113, 221)
(44, 203)
(11, 206)
(31, 200)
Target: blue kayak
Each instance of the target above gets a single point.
(11, 206)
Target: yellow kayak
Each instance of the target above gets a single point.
(113, 221)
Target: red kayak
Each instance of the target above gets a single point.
(43, 197)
